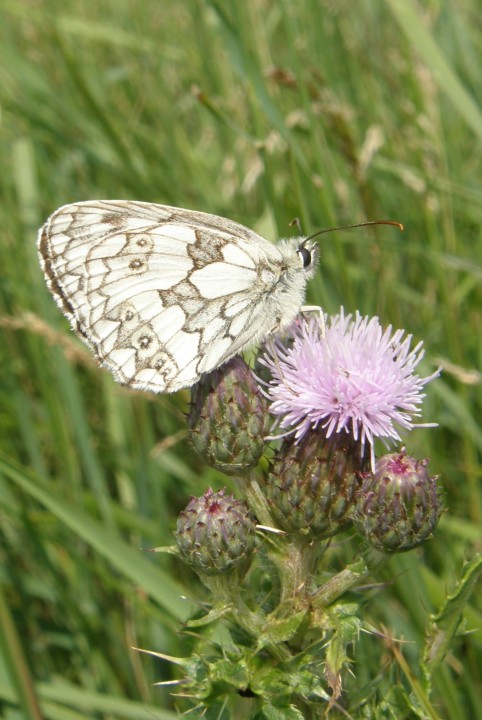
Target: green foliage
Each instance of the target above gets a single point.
(333, 112)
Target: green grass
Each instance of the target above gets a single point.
(334, 112)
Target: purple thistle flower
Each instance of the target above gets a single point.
(352, 377)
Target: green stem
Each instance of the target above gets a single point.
(226, 592)
(295, 567)
(258, 503)
(371, 561)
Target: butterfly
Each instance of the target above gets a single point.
(162, 295)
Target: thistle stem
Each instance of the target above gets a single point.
(371, 561)
(295, 567)
(255, 624)
(257, 502)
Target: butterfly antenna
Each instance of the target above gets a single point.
(356, 225)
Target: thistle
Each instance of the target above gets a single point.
(216, 534)
(228, 418)
(311, 486)
(398, 507)
(351, 378)
(333, 392)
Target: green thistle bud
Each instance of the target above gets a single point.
(399, 506)
(311, 486)
(216, 534)
(228, 418)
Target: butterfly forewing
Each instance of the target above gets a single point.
(161, 294)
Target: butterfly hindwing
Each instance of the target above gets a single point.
(161, 294)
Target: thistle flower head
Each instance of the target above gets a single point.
(311, 485)
(351, 377)
(216, 534)
(398, 507)
(228, 418)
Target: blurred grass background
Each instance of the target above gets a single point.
(334, 112)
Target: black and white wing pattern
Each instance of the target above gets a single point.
(162, 295)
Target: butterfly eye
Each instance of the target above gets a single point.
(305, 256)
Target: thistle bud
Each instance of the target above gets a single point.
(311, 485)
(216, 534)
(399, 506)
(228, 418)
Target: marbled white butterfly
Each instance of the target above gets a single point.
(162, 295)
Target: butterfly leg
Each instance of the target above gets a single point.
(271, 347)
(321, 316)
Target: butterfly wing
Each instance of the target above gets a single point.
(160, 294)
